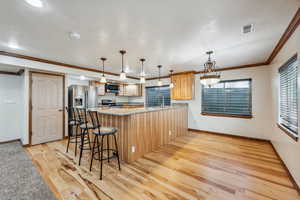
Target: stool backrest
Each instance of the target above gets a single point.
(95, 119)
(82, 116)
(71, 114)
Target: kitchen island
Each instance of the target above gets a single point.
(142, 130)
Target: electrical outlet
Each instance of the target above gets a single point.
(170, 133)
(133, 149)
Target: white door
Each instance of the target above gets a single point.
(47, 108)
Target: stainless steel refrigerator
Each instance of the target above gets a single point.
(82, 96)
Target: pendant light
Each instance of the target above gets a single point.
(159, 83)
(103, 78)
(142, 78)
(123, 74)
(210, 76)
(171, 84)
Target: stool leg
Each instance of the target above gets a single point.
(76, 135)
(107, 147)
(82, 143)
(117, 150)
(88, 135)
(98, 146)
(93, 153)
(102, 137)
(68, 139)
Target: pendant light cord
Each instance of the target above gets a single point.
(122, 63)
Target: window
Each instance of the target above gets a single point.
(288, 94)
(156, 96)
(228, 98)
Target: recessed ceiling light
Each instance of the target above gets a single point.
(82, 77)
(13, 45)
(74, 35)
(35, 3)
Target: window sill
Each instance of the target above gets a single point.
(227, 115)
(289, 133)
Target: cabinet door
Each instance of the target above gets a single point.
(177, 87)
(183, 86)
(101, 89)
(121, 90)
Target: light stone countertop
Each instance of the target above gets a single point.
(131, 111)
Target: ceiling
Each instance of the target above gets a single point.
(173, 33)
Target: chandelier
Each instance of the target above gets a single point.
(210, 75)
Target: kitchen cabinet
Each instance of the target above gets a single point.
(183, 86)
(101, 89)
(130, 90)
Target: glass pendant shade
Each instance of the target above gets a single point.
(159, 83)
(209, 80)
(123, 76)
(142, 76)
(142, 80)
(171, 85)
(103, 79)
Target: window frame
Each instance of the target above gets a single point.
(163, 86)
(284, 129)
(225, 114)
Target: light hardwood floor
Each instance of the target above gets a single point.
(200, 166)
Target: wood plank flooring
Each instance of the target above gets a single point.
(200, 166)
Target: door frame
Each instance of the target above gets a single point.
(30, 102)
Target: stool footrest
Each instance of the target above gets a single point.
(96, 156)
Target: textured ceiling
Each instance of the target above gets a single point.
(173, 33)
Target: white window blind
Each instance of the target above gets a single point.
(289, 95)
(228, 97)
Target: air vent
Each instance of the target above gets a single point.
(248, 28)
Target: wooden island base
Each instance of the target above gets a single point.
(141, 133)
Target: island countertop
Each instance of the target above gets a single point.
(143, 130)
(131, 111)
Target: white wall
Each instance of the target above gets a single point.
(288, 149)
(257, 127)
(11, 107)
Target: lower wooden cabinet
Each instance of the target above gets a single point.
(184, 84)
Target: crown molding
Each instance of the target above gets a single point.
(41, 60)
(286, 36)
(293, 25)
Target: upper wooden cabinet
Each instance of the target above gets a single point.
(183, 86)
(130, 90)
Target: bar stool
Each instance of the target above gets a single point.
(85, 128)
(101, 131)
(73, 121)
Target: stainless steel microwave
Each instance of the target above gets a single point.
(111, 88)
